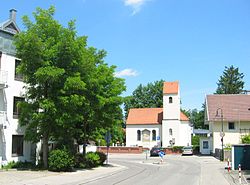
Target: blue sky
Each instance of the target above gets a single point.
(190, 41)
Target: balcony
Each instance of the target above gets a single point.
(3, 79)
(2, 119)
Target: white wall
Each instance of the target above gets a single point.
(171, 110)
(15, 88)
(181, 132)
(231, 136)
(131, 135)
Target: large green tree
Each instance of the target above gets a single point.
(71, 92)
(150, 95)
(231, 81)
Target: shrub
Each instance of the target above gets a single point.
(80, 161)
(60, 160)
(195, 140)
(246, 139)
(10, 165)
(103, 157)
(92, 159)
(19, 165)
(196, 149)
(228, 147)
(177, 148)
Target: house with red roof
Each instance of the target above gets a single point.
(228, 117)
(167, 126)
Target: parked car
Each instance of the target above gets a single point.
(187, 150)
(155, 151)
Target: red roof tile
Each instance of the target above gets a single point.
(234, 107)
(184, 117)
(153, 116)
(170, 87)
(145, 116)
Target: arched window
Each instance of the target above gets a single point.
(153, 135)
(170, 132)
(138, 135)
(170, 100)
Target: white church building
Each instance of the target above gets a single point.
(163, 127)
(12, 144)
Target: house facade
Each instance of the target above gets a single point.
(163, 127)
(12, 144)
(228, 117)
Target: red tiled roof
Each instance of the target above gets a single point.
(145, 116)
(153, 116)
(184, 117)
(234, 107)
(170, 87)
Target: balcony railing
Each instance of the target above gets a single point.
(3, 79)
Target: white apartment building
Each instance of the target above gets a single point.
(12, 144)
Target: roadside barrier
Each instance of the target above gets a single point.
(228, 165)
(239, 173)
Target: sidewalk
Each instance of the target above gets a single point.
(15, 177)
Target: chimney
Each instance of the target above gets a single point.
(13, 14)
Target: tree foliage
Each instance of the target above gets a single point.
(246, 139)
(231, 81)
(146, 96)
(197, 117)
(71, 92)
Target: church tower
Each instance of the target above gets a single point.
(171, 114)
(171, 101)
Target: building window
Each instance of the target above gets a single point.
(16, 110)
(170, 100)
(170, 132)
(153, 135)
(18, 76)
(138, 135)
(17, 145)
(231, 126)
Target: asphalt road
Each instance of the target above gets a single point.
(131, 169)
(175, 170)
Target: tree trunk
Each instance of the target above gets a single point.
(45, 150)
(84, 139)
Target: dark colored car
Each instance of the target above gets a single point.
(155, 151)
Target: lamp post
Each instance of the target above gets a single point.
(222, 131)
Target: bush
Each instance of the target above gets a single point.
(195, 140)
(246, 139)
(60, 160)
(19, 165)
(103, 157)
(92, 159)
(80, 161)
(177, 148)
(196, 149)
(10, 165)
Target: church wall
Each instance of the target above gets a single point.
(131, 135)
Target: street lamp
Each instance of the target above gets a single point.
(222, 130)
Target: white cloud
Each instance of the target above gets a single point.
(135, 4)
(126, 72)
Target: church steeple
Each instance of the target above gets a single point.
(171, 101)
